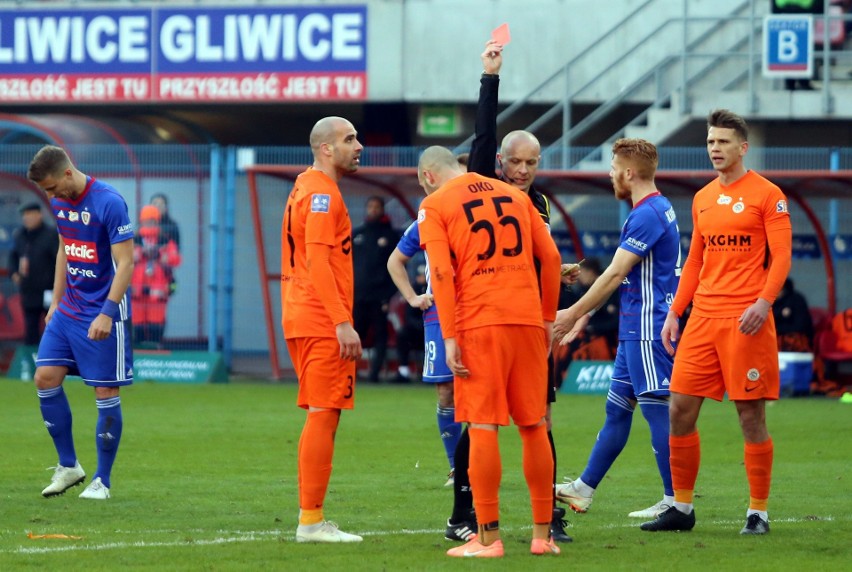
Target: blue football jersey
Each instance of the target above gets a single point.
(409, 245)
(651, 232)
(89, 226)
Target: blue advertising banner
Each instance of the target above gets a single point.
(241, 53)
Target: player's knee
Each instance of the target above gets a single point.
(541, 423)
(106, 392)
(618, 407)
(46, 378)
(445, 394)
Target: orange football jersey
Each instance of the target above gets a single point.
(734, 229)
(315, 214)
(494, 233)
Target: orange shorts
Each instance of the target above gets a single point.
(325, 380)
(714, 357)
(508, 375)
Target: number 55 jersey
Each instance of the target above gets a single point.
(493, 232)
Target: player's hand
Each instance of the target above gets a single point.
(492, 57)
(570, 273)
(565, 320)
(100, 328)
(349, 340)
(671, 332)
(579, 328)
(422, 302)
(49, 315)
(454, 358)
(754, 317)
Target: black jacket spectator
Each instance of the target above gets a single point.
(32, 263)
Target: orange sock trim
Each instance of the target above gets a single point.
(308, 517)
(684, 458)
(758, 464)
(538, 470)
(485, 470)
(316, 449)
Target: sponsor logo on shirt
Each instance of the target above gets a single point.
(320, 203)
(637, 244)
(81, 251)
(125, 228)
(82, 272)
(781, 206)
(740, 240)
(73, 216)
(501, 269)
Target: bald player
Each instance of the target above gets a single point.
(482, 237)
(317, 294)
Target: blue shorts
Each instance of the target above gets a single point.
(435, 368)
(642, 368)
(107, 363)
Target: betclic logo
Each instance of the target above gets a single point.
(81, 251)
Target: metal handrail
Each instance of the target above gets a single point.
(519, 103)
(604, 109)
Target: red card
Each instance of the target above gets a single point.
(501, 35)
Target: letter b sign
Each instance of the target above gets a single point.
(788, 46)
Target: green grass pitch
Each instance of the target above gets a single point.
(206, 480)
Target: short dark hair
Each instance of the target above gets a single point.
(50, 160)
(728, 120)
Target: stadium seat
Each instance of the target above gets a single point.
(11, 318)
(820, 318)
(834, 348)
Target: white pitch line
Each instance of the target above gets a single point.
(261, 535)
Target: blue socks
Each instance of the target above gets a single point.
(450, 432)
(107, 435)
(611, 439)
(57, 418)
(656, 412)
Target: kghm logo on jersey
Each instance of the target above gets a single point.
(728, 240)
(781, 206)
(81, 251)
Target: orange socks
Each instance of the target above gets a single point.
(538, 470)
(758, 464)
(684, 457)
(485, 472)
(316, 449)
